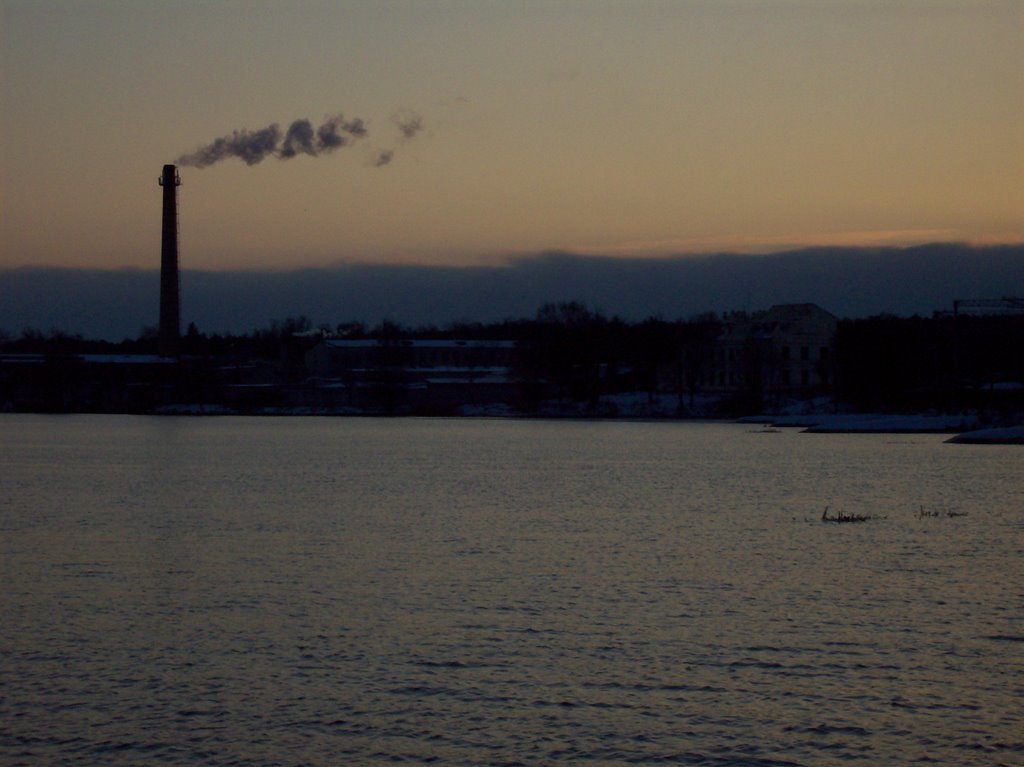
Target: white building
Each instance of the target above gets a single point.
(786, 350)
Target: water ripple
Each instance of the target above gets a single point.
(306, 591)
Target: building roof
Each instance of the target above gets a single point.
(794, 313)
(416, 343)
(90, 359)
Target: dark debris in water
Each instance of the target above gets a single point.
(923, 513)
(841, 517)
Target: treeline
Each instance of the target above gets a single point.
(944, 362)
(880, 363)
(568, 343)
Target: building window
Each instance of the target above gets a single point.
(805, 353)
(805, 378)
(785, 352)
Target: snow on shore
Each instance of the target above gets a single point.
(895, 424)
(871, 423)
(965, 427)
(1012, 435)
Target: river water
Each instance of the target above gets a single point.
(292, 591)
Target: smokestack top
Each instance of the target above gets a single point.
(170, 176)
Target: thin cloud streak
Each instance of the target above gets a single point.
(763, 244)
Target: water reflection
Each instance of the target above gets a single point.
(317, 590)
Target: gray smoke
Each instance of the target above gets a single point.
(253, 147)
(329, 135)
(249, 146)
(409, 123)
(300, 138)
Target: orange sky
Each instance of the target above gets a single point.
(598, 127)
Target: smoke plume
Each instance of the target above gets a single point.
(408, 122)
(253, 147)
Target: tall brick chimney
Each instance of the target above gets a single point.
(170, 302)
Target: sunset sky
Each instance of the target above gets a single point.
(619, 128)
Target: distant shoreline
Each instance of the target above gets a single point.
(964, 430)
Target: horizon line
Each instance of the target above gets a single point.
(509, 259)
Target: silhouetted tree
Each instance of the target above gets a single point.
(568, 346)
(695, 356)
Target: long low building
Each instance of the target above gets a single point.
(419, 374)
(335, 357)
(84, 382)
